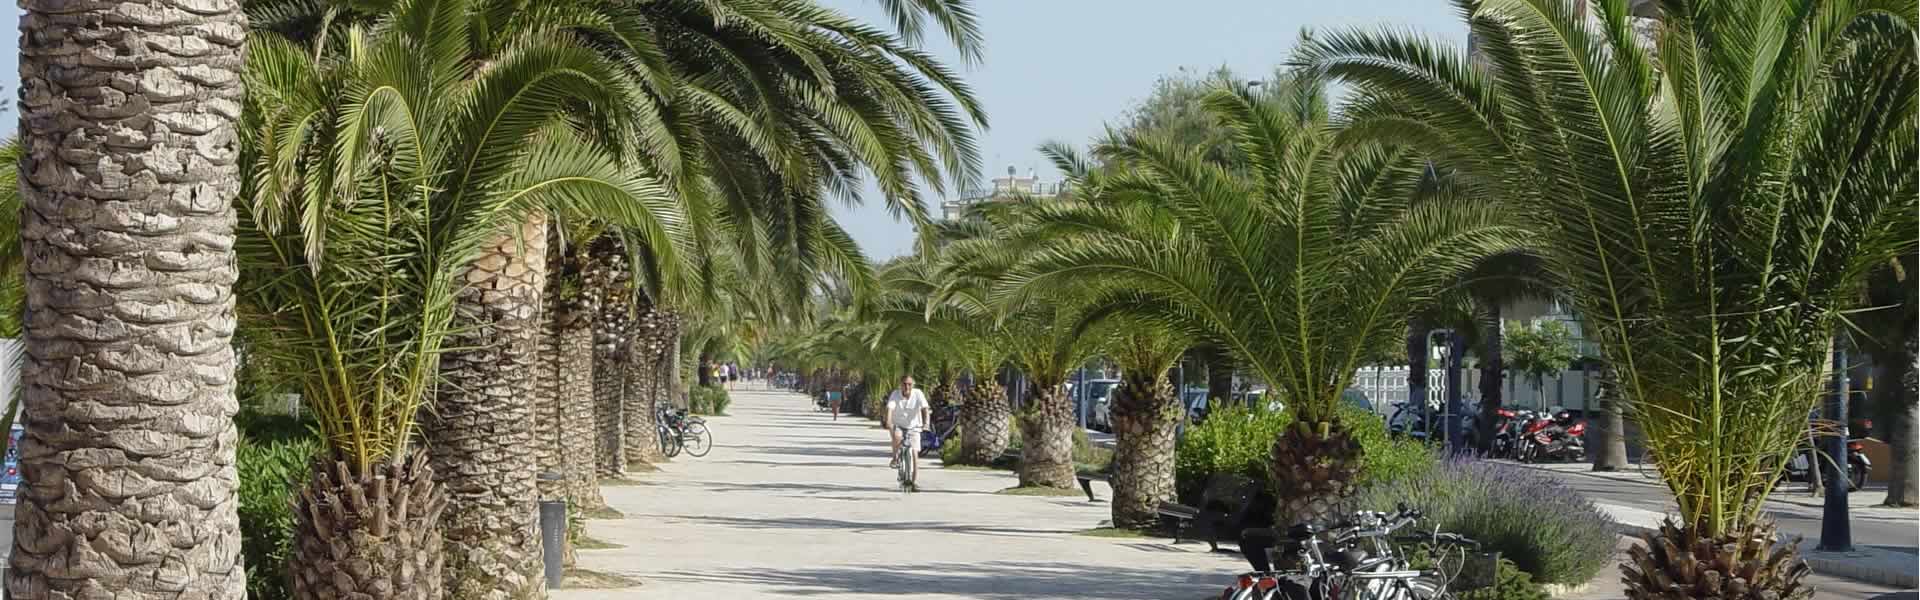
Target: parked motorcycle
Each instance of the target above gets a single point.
(1858, 466)
(1557, 438)
(1507, 431)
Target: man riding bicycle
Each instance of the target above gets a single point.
(907, 413)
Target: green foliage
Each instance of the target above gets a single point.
(1537, 352)
(1713, 191)
(1510, 582)
(1239, 440)
(708, 400)
(272, 460)
(386, 165)
(1088, 457)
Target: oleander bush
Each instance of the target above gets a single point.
(708, 400)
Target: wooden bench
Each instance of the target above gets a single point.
(1086, 477)
(1223, 506)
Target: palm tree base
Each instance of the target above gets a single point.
(1144, 416)
(986, 423)
(372, 535)
(1046, 434)
(1676, 564)
(1315, 466)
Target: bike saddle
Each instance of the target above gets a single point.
(1302, 531)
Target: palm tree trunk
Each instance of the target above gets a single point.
(609, 388)
(548, 450)
(676, 383)
(606, 281)
(1145, 411)
(390, 521)
(128, 180)
(577, 419)
(1315, 467)
(478, 431)
(647, 351)
(985, 422)
(1046, 435)
(1493, 371)
(1219, 374)
(1903, 484)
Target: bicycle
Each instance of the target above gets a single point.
(680, 431)
(904, 464)
(1365, 565)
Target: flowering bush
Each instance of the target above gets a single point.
(1547, 529)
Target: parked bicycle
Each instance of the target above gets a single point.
(1362, 560)
(681, 431)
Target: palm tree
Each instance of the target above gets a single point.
(1045, 338)
(1714, 197)
(909, 311)
(128, 244)
(365, 211)
(1145, 412)
(1300, 264)
(1887, 332)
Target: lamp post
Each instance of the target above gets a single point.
(1836, 529)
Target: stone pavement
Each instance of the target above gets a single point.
(792, 504)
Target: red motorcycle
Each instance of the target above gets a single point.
(1558, 438)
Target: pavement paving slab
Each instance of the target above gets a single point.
(792, 504)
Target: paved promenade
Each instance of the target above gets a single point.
(791, 504)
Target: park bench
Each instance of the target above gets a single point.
(1223, 507)
(1086, 478)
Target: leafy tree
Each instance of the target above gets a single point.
(1540, 350)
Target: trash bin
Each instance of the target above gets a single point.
(553, 535)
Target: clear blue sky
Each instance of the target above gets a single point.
(1059, 69)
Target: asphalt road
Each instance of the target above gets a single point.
(1883, 527)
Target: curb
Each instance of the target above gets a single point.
(1846, 565)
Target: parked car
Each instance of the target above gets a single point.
(1100, 395)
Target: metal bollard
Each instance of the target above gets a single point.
(553, 536)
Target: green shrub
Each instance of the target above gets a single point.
(269, 471)
(1239, 440)
(708, 400)
(1510, 582)
(1088, 457)
(269, 427)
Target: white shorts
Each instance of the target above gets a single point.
(910, 435)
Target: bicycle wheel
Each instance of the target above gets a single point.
(1424, 588)
(670, 442)
(698, 440)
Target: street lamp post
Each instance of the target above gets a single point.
(1836, 530)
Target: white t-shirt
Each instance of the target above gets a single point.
(906, 413)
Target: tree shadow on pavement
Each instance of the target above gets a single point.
(762, 487)
(876, 452)
(803, 523)
(992, 580)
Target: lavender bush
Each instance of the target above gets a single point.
(1546, 528)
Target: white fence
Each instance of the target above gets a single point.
(1384, 386)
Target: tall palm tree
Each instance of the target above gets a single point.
(128, 238)
(1713, 188)
(1300, 264)
(364, 212)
